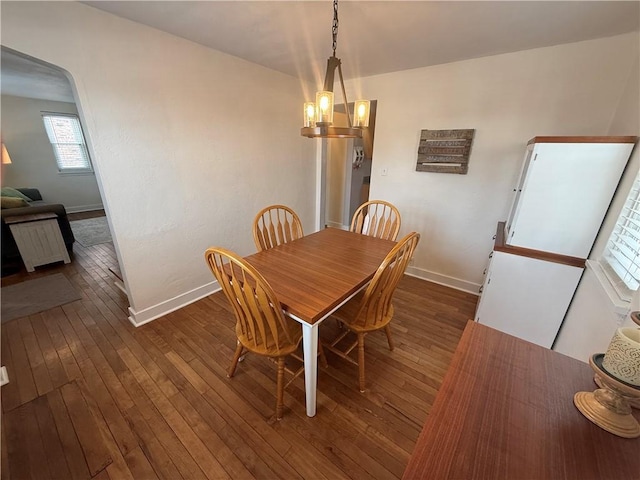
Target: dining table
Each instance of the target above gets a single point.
(315, 275)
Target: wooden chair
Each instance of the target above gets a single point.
(261, 326)
(377, 218)
(373, 309)
(275, 225)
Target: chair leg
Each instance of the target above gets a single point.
(280, 388)
(234, 363)
(361, 361)
(387, 330)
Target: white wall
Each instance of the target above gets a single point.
(336, 182)
(570, 89)
(188, 143)
(33, 162)
(592, 318)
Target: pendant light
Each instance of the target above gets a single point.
(318, 116)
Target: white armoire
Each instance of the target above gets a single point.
(563, 192)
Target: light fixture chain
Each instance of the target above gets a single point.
(334, 28)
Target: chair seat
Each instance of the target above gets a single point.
(347, 315)
(286, 347)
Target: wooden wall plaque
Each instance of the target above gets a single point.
(444, 151)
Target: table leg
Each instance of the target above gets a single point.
(310, 347)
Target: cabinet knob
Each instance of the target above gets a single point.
(481, 288)
(491, 255)
(485, 272)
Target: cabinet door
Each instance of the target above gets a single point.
(527, 297)
(565, 195)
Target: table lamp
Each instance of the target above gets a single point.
(617, 373)
(6, 159)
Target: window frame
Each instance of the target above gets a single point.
(62, 170)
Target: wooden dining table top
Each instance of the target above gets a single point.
(505, 411)
(313, 275)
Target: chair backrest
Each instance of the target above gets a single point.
(259, 315)
(376, 218)
(376, 302)
(275, 225)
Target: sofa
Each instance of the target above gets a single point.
(31, 203)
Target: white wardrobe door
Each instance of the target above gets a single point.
(527, 297)
(566, 193)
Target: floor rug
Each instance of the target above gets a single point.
(91, 231)
(33, 296)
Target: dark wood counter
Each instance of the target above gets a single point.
(505, 411)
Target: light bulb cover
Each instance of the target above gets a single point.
(361, 113)
(309, 114)
(324, 107)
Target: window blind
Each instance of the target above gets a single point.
(622, 254)
(65, 135)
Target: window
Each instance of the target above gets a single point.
(621, 258)
(69, 147)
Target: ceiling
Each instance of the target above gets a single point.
(374, 37)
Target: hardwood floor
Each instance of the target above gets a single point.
(90, 396)
(84, 215)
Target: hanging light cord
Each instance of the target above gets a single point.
(334, 28)
(334, 33)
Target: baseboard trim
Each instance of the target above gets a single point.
(149, 314)
(84, 208)
(456, 283)
(337, 225)
(118, 283)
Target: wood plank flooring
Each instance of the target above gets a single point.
(90, 396)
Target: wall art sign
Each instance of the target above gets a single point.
(444, 151)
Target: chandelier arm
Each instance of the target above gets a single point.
(344, 95)
(332, 64)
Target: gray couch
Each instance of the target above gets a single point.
(11, 260)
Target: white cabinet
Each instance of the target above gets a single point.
(564, 191)
(527, 297)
